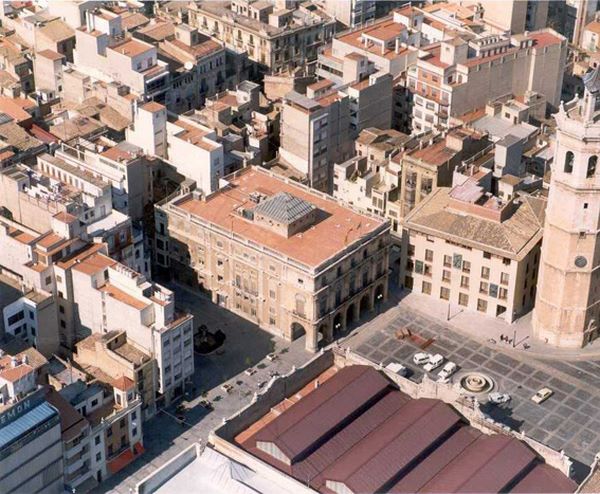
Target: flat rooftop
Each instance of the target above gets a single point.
(336, 227)
(384, 32)
(356, 432)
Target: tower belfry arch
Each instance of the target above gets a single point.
(567, 308)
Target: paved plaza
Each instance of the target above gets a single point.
(569, 420)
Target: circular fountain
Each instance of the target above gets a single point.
(475, 383)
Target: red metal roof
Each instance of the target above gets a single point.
(384, 455)
(487, 465)
(321, 413)
(358, 430)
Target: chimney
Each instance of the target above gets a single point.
(14, 362)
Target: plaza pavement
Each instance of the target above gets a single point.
(569, 420)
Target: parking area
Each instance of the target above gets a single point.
(569, 420)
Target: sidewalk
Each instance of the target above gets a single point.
(487, 329)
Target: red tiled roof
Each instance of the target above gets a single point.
(311, 247)
(42, 135)
(123, 383)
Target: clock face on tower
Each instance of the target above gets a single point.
(580, 262)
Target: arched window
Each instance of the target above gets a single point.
(569, 157)
(591, 168)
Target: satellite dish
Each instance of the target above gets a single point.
(188, 65)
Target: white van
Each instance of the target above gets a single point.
(434, 362)
(421, 358)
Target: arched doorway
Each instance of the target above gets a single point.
(350, 314)
(337, 323)
(322, 338)
(379, 294)
(297, 330)
(365, 304)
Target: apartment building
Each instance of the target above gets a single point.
(387, 44)
(432, 164)
(514, 16)
(33, 318)
(103, 51)
(351, 13)
(113, 355)
(123, 166)
(73, 13)
(570, 17)
(275, 36)
(314, 134)
(114, 437)
(208, 75)
(16, 77)
(590, 38)
(371, 180)
(262, 247)
(48, 71)
(190, 147)
(75, 435)
(195, 152)
(509, 117)
(42, 31)
(66, 197)
(473, 250)
(459, 75)
(99, 295)
(317, 129)
(246, 125)
(28, 259)
(31, 457)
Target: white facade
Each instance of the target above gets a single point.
(103, 52)
(20, 319)
(111, 297)
(186, 144)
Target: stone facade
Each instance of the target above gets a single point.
(567, 311)
(277, 289)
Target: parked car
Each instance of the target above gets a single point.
(271, 357)
(448, 369)
(542, 395)
(397, 368)
(206, 404)
(498, 398)
(421, 358)
(250, 371)
(227, 388)
(434, 362)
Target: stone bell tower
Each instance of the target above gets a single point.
(567, 308)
